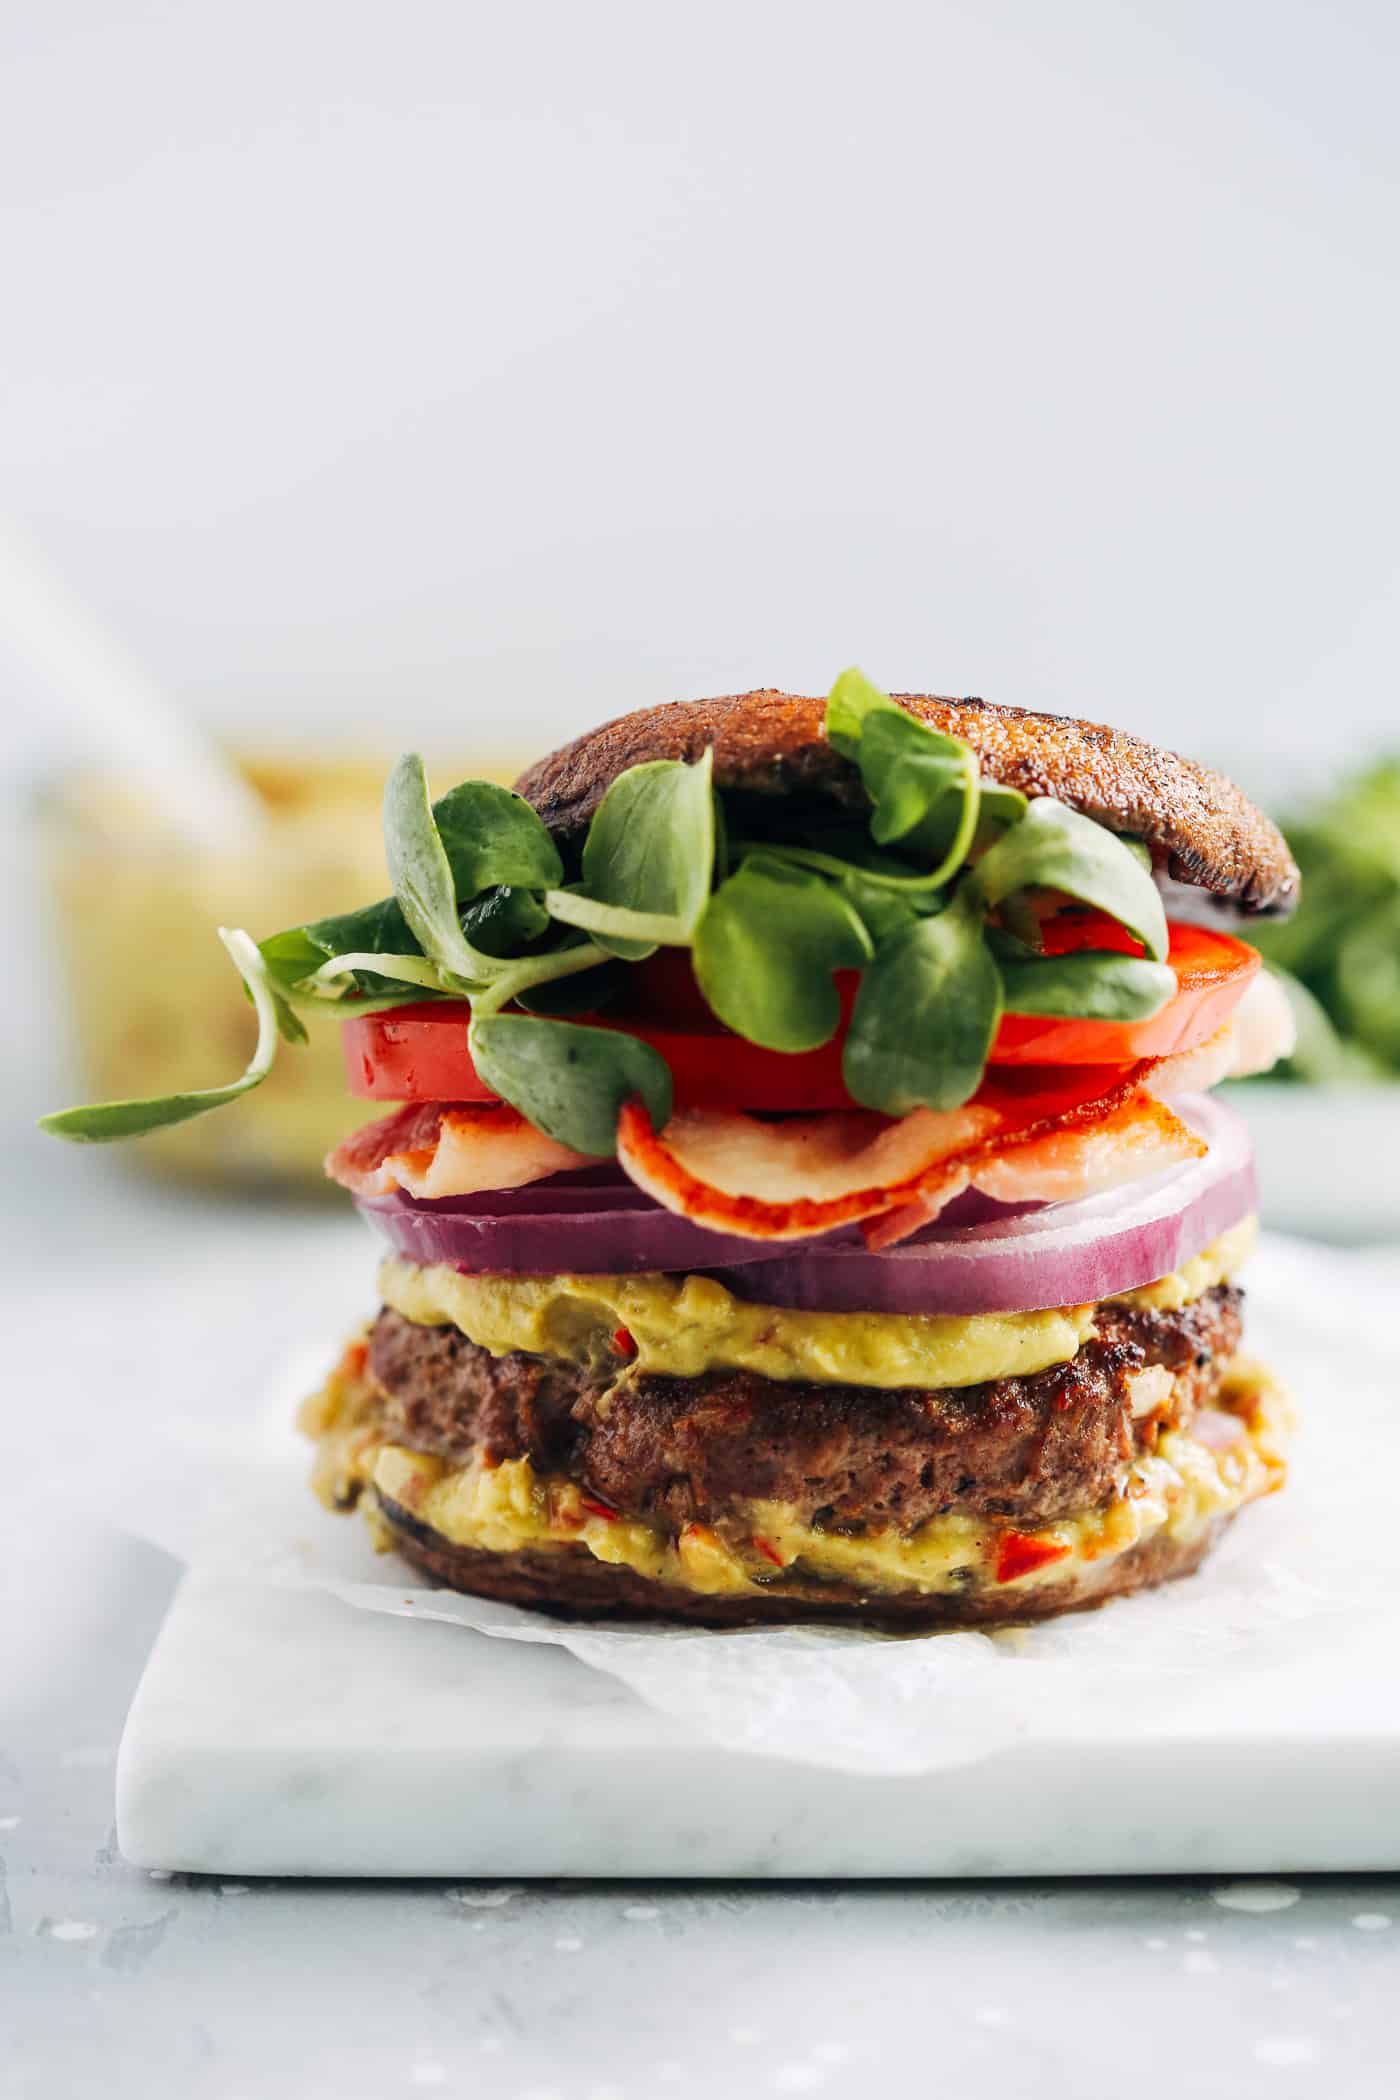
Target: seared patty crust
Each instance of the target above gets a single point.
(675, 1451)
(1201, 829)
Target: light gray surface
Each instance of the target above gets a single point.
(116, 1983)
(221, 1991)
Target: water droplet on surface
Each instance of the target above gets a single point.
(1256, 1896)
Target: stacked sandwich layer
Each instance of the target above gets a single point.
(803, 1192)
(698, 1442)
(835, 1332)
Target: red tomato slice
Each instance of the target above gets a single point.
(419, 1052)
(1212, 971)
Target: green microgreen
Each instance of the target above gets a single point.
(934, 903)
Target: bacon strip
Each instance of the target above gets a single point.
(430, 1150)
(1263, 1027)
(709, 1164)
(1258, 1033)
(1141, 1136)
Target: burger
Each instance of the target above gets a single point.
(801, 1191)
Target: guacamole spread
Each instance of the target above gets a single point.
(684, 1326)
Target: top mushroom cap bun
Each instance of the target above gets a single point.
(1200, 829)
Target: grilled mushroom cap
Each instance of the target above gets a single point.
(1201, 830)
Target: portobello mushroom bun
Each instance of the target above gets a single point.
(801, 1190)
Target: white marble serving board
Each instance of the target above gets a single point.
(281, 1731)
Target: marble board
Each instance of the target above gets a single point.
(283, 1732)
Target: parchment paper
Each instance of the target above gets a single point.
(1297, 1574)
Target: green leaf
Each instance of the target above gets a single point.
(1055, 848)
(841, 847)
(494, 839)
(287, 959)
(908, 769)
(100, 1122)
(849, 705)
(376, 929)
(495, 845)
(504, 920)
(572, 958)
(880, 909)
(766, 949)
(843, 861)
(924, 786)
(290, 956)
(925, 1015)
(337, 978)
(630, 935)
(648, 860)
(650, 848)
(1094, 984)
(998, 807)
(570, 1081)
(421, 873)
(290, 1025)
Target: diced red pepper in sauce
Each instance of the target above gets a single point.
(356, 1356)
(769, 1552)
(1020, 1553)
(623, 1342)
(598, 1509)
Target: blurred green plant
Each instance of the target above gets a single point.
(1339, 955)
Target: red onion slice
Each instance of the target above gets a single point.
(605, 1238)
(1057, 1254)
(1062, 1254)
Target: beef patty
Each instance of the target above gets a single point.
(681, 1450)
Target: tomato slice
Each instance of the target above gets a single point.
(419, 1052)
(1212, 970)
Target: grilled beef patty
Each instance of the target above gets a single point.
(681, 1450)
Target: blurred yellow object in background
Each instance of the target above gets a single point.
(154, 1005)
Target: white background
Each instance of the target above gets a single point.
(438, 368)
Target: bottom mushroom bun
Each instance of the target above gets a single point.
(800, 1188)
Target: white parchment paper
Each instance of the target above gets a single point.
(1295, 1576)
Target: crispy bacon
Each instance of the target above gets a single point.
(1263, 1028)
(431, 1150)
(1258, 1033)
(1055, 1164)
(818, 1171)
(708, 1164)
